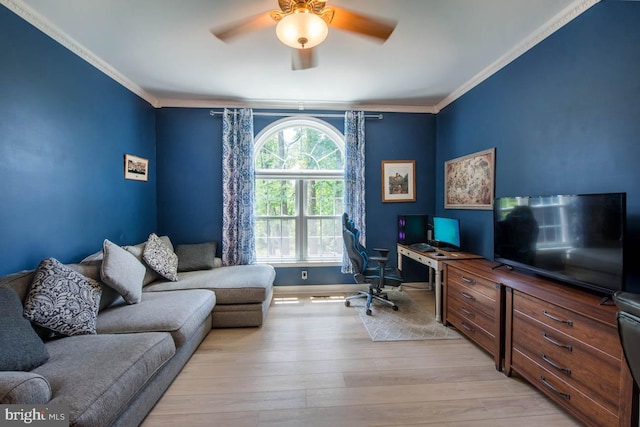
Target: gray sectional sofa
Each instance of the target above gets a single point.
(116, 375)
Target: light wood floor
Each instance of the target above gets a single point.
(313, 364)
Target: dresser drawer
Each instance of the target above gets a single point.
(582, 405)
(471, 281)
(570, 359)
(580, 327)
(473, 307)
(472, 296)
(473, 331)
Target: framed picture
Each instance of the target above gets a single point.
(398, 181)
(469, 181)
(136, 168)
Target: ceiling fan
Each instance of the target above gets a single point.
(303, 24)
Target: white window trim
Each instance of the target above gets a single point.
(311, 122)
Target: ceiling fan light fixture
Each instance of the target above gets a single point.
(302, 30)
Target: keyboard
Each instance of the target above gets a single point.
(443, 246)
(422, 247)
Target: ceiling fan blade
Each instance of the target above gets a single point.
(302, 59)
(348, 20)
(244, 26)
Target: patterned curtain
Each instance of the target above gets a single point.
(354, 176)
(238, 243)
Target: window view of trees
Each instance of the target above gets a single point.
(299, 192)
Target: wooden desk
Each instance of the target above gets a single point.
(436, 262)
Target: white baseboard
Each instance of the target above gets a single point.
(337, 288)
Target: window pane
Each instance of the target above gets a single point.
(275, 197)
(276, 238)
(300, 148)
(324, 238)
(324, 197)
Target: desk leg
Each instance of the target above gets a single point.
(399, 261)
(438, 286)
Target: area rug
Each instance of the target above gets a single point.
(411, 322)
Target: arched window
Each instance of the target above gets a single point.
(299, 191)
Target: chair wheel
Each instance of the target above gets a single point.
(347, 303)
(368, 312)
(395, 308)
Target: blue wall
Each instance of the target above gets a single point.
(189, 150)
(564, 118)
(64, 128)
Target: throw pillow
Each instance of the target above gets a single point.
(92, 270)
(21, 349)
(150, 274)
(63, 300)
(94, 257)
(198, 256)
(161, 258)
(123, 272)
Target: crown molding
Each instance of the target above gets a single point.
(561, 19)
(558, 21)
(28, 14)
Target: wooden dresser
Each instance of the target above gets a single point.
(558, 337)
(474, 305)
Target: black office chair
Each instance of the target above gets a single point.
(629, 329)
(376, 276)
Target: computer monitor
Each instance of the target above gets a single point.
(412, 228)
(446, 232)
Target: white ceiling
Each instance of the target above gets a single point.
(164, 50)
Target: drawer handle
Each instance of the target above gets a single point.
(568, 322)
(467, 296)
(469, 281)
(555, 365)
(468, 328)
(553, 389)
(467, 312)
(556, 343)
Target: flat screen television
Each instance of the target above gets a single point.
(576, 239)
(446, 233)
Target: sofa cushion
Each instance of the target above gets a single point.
(19, 388)
(123, 272)
(197, 256)
(21, 349)
(161, 258)
(63, 300)
(238, 284)
(179, 313)
(99, 375)
(20, 282)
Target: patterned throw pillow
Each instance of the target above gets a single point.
(63, 300)
(161, 258)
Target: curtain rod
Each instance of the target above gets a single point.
(258, 113)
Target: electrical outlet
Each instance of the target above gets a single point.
(304, 274)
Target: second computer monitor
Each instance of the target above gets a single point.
(446, 232)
